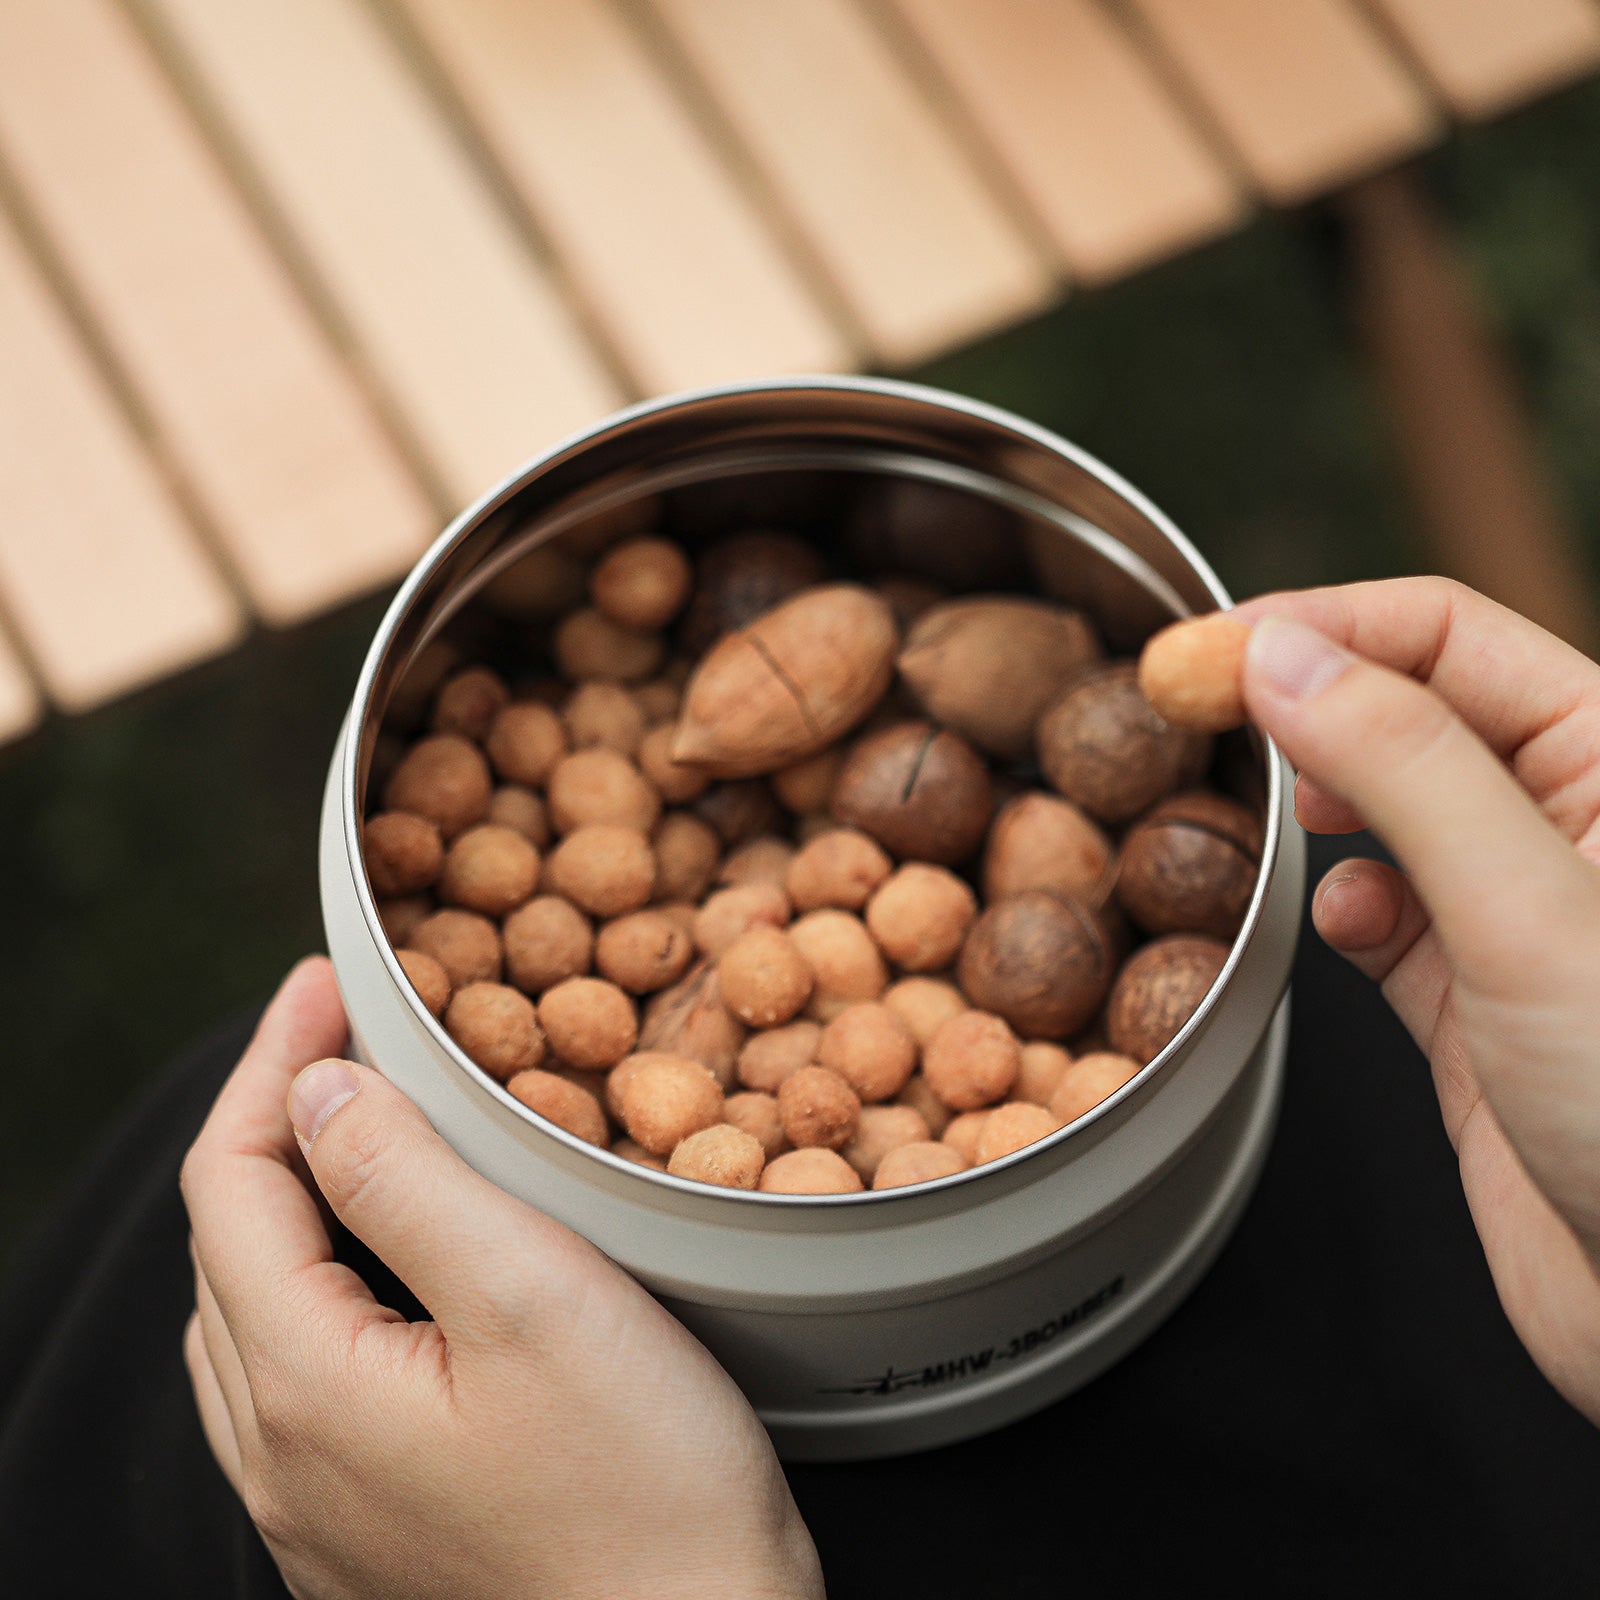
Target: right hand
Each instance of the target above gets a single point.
(1469, 741)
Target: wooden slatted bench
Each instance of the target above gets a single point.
(281, 284)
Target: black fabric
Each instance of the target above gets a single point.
(1339, 1409)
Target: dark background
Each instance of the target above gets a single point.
(157, 860)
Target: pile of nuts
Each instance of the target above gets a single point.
(775, 882)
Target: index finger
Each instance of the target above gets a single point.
(257, 1230)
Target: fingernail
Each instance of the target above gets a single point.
(317, 1093)
(1296, 660)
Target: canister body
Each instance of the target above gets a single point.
(875, 1323)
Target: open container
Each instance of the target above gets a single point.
(874, 1323)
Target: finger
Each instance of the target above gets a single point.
(1458, 823)
(258, 1234)
(1533, 699)
(465, 1248)
(223, 1354)
(215, 1421)
(1318, 812)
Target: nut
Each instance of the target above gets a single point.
(1089, 1080)
(1158, 990)
(443, 778)
(731, 912)
(512, 806)
(658, 700)
(525, 742)
(788, 684)
(672, 780)
(690, 1019)
(762, 860)
(923, 1003)
(403, 852)
(962, 1134)
(758, 1115)
(808, 784)
(1189, 865)
(1040, 841)
(918, 1163)
(666, 1099)
(1101, 743)
(740, 810)
(643, 951)
(763, 978)
(603, 869)
(604, 716)
(465, 944)
(1043, 1067)
(920, 917)
(925, 1103)
(1012, 1127)
(600, 786)
(642, 584)
(1038, 960)
(547, 941)
(921, 792)
(971, 1061)
(428, 978)
(879, 1130)
(722, 1154)
(588, 644)
(817, 1107)
(562, 1103)
(845, 963)
(767, 1058)
(987, 666)
(687, 851)
(497, 1027)
(468, 702)
(739, 578)
(839, 868)
(589, 1023)
(489, 868)
(1192, 672)
(638, 1155)
(810, 1171)
(871, 1049)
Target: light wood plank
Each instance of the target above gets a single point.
(919, 247)
(271, 431)
(1112, 167)
(457, 319)
(1486, 56)
(19, 700)
(99, 571)
(688, 281)
(1305, 91)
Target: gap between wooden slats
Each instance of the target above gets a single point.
(1486, 56)
(1306, 92)
(99, 573)
(923, 253)
(1103, 155)
(689, 283)
(455, 316)
(302, 490)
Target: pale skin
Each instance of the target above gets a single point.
(552, 1431)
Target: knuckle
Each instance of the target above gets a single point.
(350, 1173)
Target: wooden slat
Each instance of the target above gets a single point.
(1305, 91)
(271, 432)
(1488, 55)
(19, 700)
(688, 281)
(916, 243)
(99, 571)
(1110, 164)
(454, 314)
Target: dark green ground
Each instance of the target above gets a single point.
(157, 858)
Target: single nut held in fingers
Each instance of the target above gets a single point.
(1192, 672)
(403, 852)
(1158, 989)
(1104, 746)
(810, 1171)
(1040, 961)
(920, 917)
(642, 584)
(920, 791)
(589, 1023)
(562, 1103)
(1189, 865)
(428, 978)
(971, 1061)
(870, 1048)
(818, 1107)
(1089, 1080)
(547, 941)
(489, 868)
(722, 1154)
(764, 979)
(497, 1027)
(666, 1100)
(918, 1163)
(790, 683)
(443, 778)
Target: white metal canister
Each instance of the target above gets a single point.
(873, 1323)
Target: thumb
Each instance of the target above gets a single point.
(1496, 876)
(461, 1245)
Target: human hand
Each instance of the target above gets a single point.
(552, 1432)
(1468, 739)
